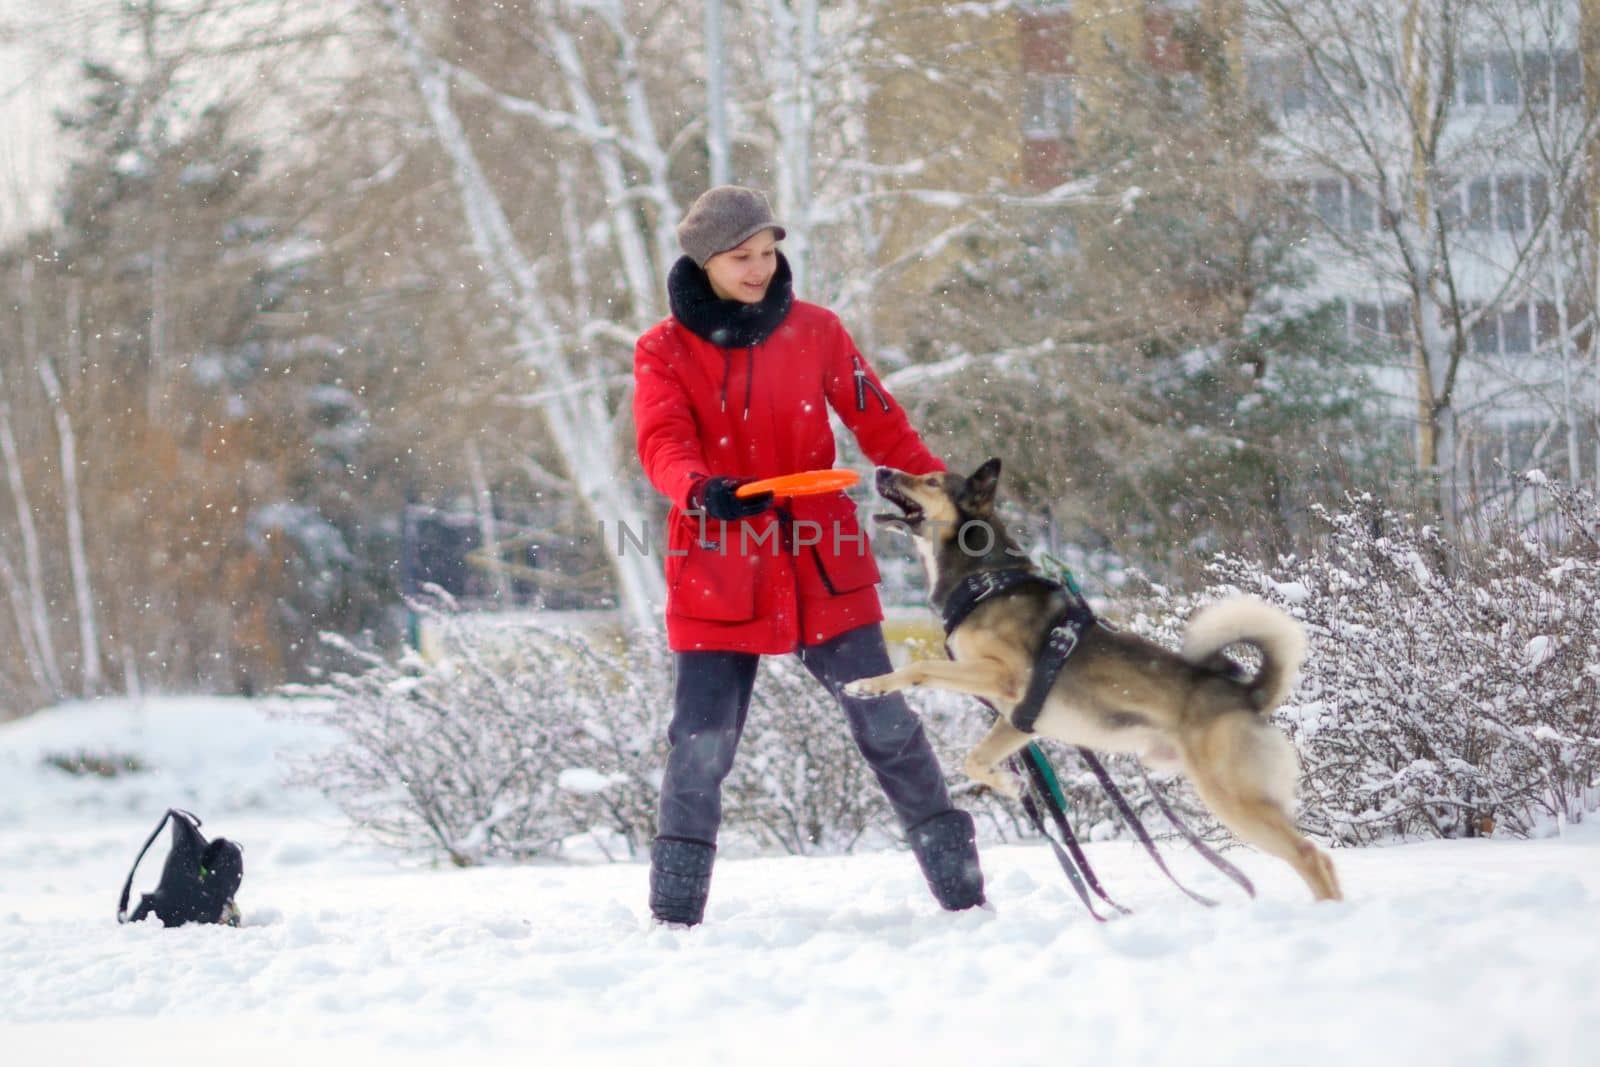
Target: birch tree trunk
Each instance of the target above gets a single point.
(18, 598)
(91, 681)
(581, 423)
(488, 529)
(1589, 49)
(791, 65)
(32, 560)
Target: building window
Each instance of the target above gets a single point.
(1261, 80)
(1536, 77)
(1538, 199)
(1503, 79)
(1516, 331)
(1340, 204)
(1562, 68)
(1469, 81)
(1368, 321)
(1397, 322)
(1511, 210)
(1046, 40)
(1047, 106)
(1511, 331)
(1479, 212)
(1547, 324)
(1379, 325)
(1279, 83)
(1289, 84)
(1292, 86)
(1511, 203)
(1575, 211)
(1508, 80)
(1486, 335)
(1449, 204)
(1327, 200)
(1569, 78)
(1363, 209)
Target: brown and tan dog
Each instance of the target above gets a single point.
(1117, 692)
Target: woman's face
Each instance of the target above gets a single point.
(743, 272)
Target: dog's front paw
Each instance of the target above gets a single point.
(1000, 788)
(1006, 785)
(871, 687)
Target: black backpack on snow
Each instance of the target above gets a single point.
(198, 881)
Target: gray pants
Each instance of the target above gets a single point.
(712, 698)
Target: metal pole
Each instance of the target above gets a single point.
(716, 95)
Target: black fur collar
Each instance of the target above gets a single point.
(727, 323)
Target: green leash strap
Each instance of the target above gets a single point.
(1063, 574)
(1036, 755)
(1073, 861)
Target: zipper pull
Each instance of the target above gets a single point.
(863, 383)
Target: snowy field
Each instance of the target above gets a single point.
(1466, 952)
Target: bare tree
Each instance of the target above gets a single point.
(1404, 124)
(27, 596)
(77, 556)
(580, 398)
(604, 90)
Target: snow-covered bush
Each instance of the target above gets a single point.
(502, 747)
(1448, 691)
(513, 741)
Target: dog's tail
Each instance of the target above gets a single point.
(1246, 620)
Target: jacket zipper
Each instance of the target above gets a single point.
(749, 377)
(786, 537)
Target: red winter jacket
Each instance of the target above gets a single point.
(777, 581)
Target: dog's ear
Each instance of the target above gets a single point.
(977, 494)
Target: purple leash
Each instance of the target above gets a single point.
(1210, 854)
(1128, 816)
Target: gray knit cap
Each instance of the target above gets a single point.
(724, 218)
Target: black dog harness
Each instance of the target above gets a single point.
(1066, 630)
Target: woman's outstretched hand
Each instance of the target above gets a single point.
(715, 496)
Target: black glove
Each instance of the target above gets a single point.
(715, 497)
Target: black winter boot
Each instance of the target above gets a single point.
(680, 879)
(946, 847)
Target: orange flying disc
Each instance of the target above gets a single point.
(805, 483)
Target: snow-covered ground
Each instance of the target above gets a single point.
(1466, 952)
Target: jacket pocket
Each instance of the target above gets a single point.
(843, 555)
(710, 579)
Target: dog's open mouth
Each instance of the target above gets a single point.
(910, 511)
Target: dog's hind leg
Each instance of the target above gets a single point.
(1238, 766)
(983, 761)
(1264, 824)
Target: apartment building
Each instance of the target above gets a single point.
(1508, 187)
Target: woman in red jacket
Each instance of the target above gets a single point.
(736, 385)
